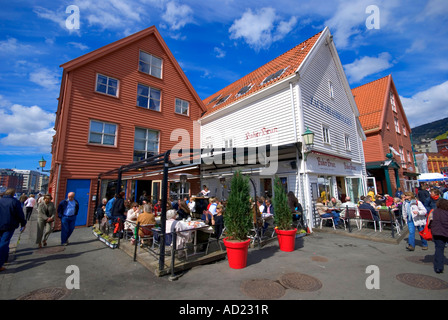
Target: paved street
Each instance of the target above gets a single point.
(334, 267)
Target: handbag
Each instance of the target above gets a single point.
(426, 232)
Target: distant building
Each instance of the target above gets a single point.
(388, 150)
(10, 179)
(31, 181)
(426, 145)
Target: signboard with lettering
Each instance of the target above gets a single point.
(333, 166)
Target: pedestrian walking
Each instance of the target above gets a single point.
(414, 213)
(439, 229)
(46, 213)
(29, 206)
(67, 212)
(11, 216)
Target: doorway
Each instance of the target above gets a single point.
(81, 188)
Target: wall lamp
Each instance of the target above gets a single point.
(308, 140)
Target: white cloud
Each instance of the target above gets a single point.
(45, 78)
(78, 45)
(22, 119)
(365, 66)
(220, 53)
(427, 106)
(177, 16)
(58, 17)
(28, 127)
(11, 45)
(261, 28)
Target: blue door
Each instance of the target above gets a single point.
(81, 188)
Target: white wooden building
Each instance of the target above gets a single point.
(305, 87)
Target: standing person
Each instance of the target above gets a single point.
(414, 213)
(46, 213)
(67, 212)
(439, 229)
(434, 196)
(11, 215)
(22, 199)
(29, 206)
(118, 212)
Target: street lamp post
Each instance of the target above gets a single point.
(42, 163)
(308, 140)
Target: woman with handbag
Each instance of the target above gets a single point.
(414, 213)
(438, 223)
(45, 220)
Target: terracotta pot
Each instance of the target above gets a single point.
(237, 253)
(286, 239)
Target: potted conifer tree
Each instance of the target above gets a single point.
(238, 221)
(286, 234)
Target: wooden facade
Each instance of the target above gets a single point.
(83, 104)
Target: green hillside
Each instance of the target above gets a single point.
(430, 130)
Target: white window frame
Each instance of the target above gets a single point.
(392, 102)
(404, 130)
(107, 85)
(148, 104)
(181, 104)
(151, 65)
(146, 142)
(402, 158)
(331, 89)
(409, 156)
(102, 133)
(347, 142)
(397, 125)
(228, 143)
(326, 134)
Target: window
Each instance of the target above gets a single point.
(243, 90)
(146, 143)
(182, 107)
(228, 143)
(397, 125)
(107, 85)
(404, 130)
(403, 160)
(347, 142)
(330, 87)
(222, 100)
(387, 125)
(409, 157)
(392, 102)
(273, 76)
(148, 97)
(150, 64)
(102, 133)
(326, 134)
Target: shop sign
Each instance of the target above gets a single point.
(260, 133)
(329, 165)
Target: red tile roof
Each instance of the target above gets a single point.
(370, 99)
(285, 65)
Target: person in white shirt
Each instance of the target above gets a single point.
(29, 206)
(348, 203)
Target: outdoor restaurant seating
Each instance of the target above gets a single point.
(387, 217)
(365, 215)
(351, 214)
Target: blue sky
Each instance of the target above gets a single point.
(216, 43)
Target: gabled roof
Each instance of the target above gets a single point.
(107, 49)
(267, 75)
(371, 99)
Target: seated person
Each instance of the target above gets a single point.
(367, 205)
(295, 206)
(380, 200)
(174, 225)
(131, 217)
(333, 203)
(349, 203)
(268, 215)
(217, 221)
(146, 218)
(322, 211)
(183, 211)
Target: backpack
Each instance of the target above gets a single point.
(108, 209)
(445, 195)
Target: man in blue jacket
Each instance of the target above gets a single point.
(11, 215)
(67, 212)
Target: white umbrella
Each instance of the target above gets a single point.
(431, 177)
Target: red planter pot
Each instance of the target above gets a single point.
(286, 239)
(237, 253)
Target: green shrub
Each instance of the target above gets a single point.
(282, 212)
(238, 217)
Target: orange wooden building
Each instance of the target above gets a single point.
(388, 149)
(120, 104)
